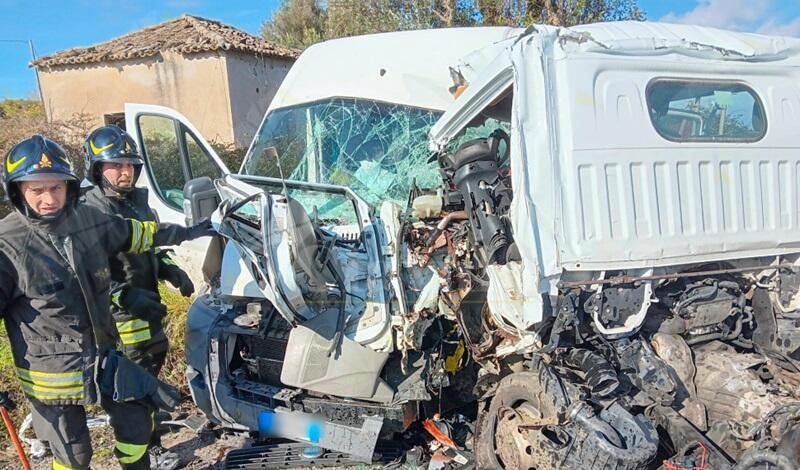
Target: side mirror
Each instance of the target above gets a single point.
(200, 200)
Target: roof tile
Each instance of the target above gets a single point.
(186, 34)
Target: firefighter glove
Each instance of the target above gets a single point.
(170, 272)
(141, 303)
(202, 229)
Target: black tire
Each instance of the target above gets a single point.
(569, 446)
(511, 390)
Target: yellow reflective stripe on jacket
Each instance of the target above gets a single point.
(130, 453)
(50, 394)
(133, 331)
(142, 234)
(115, 298)
(59, 466)
(36, 375)
(149, 235)
(136, 236)
(51, 385)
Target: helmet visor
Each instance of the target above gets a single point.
(45, 176)
(130, 158)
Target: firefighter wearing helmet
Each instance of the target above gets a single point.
(55, 282)
(113, 165)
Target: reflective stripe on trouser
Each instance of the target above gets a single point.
(149, 354)
(133, 331)
(133, 425)
(58, 466)
(130, 453)
(51, 385)
(64, 428)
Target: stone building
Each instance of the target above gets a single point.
(222, 79)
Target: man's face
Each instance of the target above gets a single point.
(119, 174)
(45, 197)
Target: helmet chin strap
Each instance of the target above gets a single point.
(49, 218)
(117, 189)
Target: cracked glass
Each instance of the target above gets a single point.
(377, 149)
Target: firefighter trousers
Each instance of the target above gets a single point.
(144, 342)
(64, 428)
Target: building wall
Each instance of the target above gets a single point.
(195, 85)
(252, 82)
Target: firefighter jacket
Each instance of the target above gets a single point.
(128, 269)
(54, 295)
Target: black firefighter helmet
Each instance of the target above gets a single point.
(114, 145)
(35, 159)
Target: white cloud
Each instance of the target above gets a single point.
(739, 15)
(727, 14)
(775, 28)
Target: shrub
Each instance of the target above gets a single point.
(19, 119)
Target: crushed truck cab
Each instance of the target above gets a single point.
(637, 234)
(598, 256)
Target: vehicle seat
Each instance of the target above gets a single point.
(311, 275)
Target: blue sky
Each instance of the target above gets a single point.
(56, 25)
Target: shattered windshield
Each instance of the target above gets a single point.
(377, 149)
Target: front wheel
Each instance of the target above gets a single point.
(524, 428)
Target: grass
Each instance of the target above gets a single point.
(173, 371)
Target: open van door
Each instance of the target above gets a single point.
(174, 152)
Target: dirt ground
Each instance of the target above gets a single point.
(196, 451)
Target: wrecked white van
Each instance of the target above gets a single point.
(605, 261)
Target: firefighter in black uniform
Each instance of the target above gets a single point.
(54, 290)
(113, 165)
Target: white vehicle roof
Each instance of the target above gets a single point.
(641, 37)
(407, 67)
(627, 38)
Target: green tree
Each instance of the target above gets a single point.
(297, 23)
(557, 12)
(300, 23)
(353, 17)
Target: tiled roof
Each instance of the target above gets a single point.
(187, 34)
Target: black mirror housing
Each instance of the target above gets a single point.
(200, 200)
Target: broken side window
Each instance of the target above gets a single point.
(704, 110)
(479, 129)
(497, 115)
(377, 149)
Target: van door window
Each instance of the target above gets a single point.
(165, 164)
(200, 162)
(174, 156)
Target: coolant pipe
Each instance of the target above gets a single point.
(599, 375)
(444, 223)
